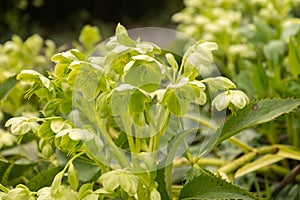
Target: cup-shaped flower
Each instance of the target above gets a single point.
(235, 97)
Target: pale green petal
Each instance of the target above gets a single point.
(222, 101)
(239, 99)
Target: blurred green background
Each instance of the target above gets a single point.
(62, 20)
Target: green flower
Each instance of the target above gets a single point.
(127, 180)
(235, 97)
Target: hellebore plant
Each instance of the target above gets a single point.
(126, 116)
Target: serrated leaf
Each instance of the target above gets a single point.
(7, 86)
(255, 113)
(212, 187)
(73, 176)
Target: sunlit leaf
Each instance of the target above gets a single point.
(265, 110)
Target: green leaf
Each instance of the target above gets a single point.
(208, 186)
(7, 86)
(178, 99)
(86, 172)
(160, 179)
(10, 171)
(145, 75)
(122, 36)
(73, 176)
(45, 131)
(43, 179)
(80, 56)
(87, 80)
(191, 174)
(255, 113)
(176, 105)
(138, 101)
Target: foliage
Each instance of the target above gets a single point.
(16, 55)
(253, 37)
(112, 125)
(259, 47)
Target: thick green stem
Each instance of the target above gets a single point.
(157, 137)
(244, 147)
(182, 162)
(72, 159)
(176, 190)
(246, 158)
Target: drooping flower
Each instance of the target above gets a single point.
(235, 97)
